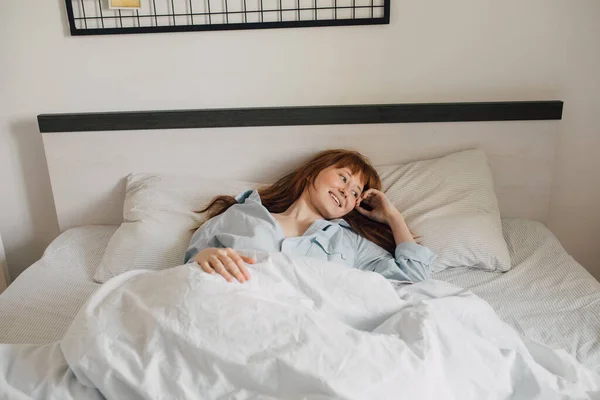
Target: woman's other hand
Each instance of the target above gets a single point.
(382, 209)
(225, 262)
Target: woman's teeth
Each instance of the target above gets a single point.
(336, 199)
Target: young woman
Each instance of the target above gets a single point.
(329, 208)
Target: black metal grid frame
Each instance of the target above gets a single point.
(210, 26)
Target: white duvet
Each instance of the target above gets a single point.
(300, 329)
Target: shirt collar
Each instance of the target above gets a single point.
(251, 195)
(340, 222)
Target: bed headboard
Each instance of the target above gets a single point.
(89, 155)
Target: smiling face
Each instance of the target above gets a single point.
(335, 192)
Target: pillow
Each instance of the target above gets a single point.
(159, 221)
(450, 202)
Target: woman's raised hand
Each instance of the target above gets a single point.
(382, 209)
(225, 262)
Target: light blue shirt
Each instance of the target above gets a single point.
(248, 225)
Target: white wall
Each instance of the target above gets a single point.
(434, 50)
(575, 207)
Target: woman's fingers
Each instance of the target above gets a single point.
(233, 268)
(368, 197)
(368, 193)
(363, 211)
(206, 267)
(249, 260)
(244, 271)
(239, 260)
(376, 201)
(218, 266)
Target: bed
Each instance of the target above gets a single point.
(546, 296)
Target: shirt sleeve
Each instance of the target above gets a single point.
(203, 238)
(410, 262)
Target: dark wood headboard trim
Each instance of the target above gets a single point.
(313, 115)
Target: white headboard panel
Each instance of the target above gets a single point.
(87, 169)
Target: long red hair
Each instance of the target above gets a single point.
(279, 196)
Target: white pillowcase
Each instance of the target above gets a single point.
(448, 201)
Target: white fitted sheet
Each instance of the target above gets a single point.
(40, 304)
(547, 296)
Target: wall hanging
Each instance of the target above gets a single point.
(103, 17)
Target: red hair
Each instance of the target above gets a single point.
(279, 196)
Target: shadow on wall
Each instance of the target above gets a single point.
(43, 225)
(64, 20)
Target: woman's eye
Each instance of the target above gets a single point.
(355, 195)
(343, 178)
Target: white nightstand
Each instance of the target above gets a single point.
(3, 268)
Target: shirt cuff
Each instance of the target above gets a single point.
(416, 252)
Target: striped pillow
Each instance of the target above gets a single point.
(450, 202)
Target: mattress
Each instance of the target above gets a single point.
(546, 296)
(40, 304)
